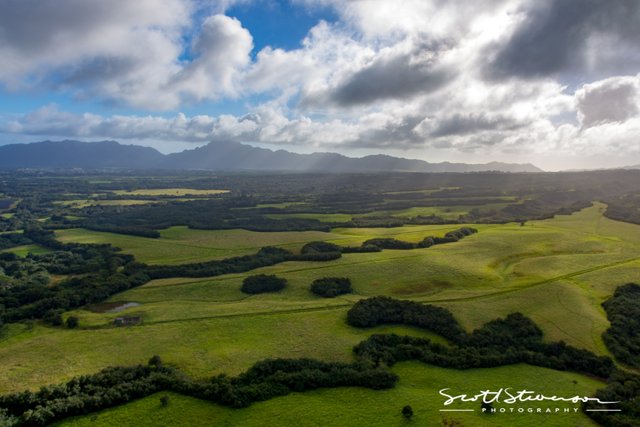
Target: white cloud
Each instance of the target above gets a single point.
(615, 99)
(127, 52)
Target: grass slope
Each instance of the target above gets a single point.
(418, 386)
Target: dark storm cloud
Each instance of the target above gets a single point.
(100, 68)
(461, 124)
(32, 26)
(554, 36)
(394, 134)
(399, 77)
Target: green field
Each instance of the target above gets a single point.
(446, 212)
(418, 386)
(83, 203)
(176, 192)
(319, 216)
(178, 245)
(556, 271)
(284, 205)
(184, 245)
(25, 250)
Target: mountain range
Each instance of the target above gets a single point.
(219, 156)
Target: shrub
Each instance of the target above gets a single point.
(262, 283)
(389, 243)
(155, 361)
(330, 287)
(407, 412)
(72, 322)
(322, 247)
(53, 317)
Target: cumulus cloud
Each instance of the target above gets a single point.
(222, 50)
(127, 52)
(460, 124)
(615, 99)
(397, 76)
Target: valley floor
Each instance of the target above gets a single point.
(557, 272)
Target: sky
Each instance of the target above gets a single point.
(552, 82)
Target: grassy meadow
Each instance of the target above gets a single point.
(174, 192)
(25, 250)
(555, 271)
(418, 386)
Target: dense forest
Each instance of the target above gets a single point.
(623, 336)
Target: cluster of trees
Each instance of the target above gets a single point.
(389, 243)
(385, 310)
(378, 244)
(24, 282)
(36, 302)
(514, 339)
(118, 385)
(623, 336)
(11, 240)
(452, 236)
(625, 207)
(265, 257)
(121, 229)
(319, 247)
(208, 214)
(331, 287)
(261, 283)
(544, 206)
(622, 387)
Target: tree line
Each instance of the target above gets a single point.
(117, 385)
(514, 339)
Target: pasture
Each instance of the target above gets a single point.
(25, 250)
(555, 271)
(418, 386)
(173, 192)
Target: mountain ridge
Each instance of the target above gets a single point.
(219, 156)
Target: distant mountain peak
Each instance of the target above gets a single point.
(222, 156)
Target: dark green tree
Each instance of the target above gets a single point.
(262, 283)
(155, 361)
(407, 412)
(164, 400)
(72, 322)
